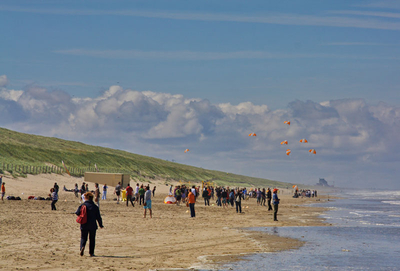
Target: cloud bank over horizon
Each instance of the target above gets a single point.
(357, 143)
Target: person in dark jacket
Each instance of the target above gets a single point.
(238, 201)
(269, 197)
(275, 202)
(90, 227)
(206, 198)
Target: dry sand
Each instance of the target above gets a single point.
(34, 237)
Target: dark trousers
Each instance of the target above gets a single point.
(276, 212)
(238, 206)
(207, 201)
(92, 240)
(231, 202)
(53, 205)
(129, 199)
(269, 204)
(141, 198)
(219, 201)
(192, 213)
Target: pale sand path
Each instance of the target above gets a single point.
(34, 237)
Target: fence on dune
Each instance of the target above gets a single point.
(29, 169)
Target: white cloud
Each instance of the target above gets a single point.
(3, 80)
(280, 19)
(368, 13)
(350, 135)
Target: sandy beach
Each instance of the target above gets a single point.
(34, 237)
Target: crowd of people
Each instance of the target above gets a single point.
(140, 194)
(305, 193)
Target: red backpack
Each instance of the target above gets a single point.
(82, 218)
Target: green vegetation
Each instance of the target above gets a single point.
(28, 151)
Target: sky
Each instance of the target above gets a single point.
(158, 77)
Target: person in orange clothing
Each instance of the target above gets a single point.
(3, 191)
(192, 200)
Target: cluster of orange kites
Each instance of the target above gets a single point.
(285, 142)
(303, 140)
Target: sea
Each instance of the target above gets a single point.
(365, 235)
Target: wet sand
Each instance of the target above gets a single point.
(33, 237)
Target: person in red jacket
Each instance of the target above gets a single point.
(129, 195)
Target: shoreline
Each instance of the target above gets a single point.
(34, 237)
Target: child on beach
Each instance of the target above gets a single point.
(54, 198)
(104, 197)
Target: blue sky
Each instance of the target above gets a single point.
(223, 64)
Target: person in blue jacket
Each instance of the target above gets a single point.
(275, 202)
(90, 227)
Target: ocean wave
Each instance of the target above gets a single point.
(396, 202)
(368, 194)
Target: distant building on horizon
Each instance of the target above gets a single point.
(323, 182)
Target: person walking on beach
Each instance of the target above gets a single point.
(117, 191)
(178, 195)
(147, 202)
(97, 194)
(191, 200)
(129, 195)
(232, 197)
(56, 188)
(141, 195)
(54, 198)
(104, 196)
(269, 197)
(90, 227)
(275, 201)
(219, 194)
(238, 201)
(3, 191)
(154, 190)
(224, 195)
(206, 198)
(137, 192)
(263, 195)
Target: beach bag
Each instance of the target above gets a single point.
(82, 218)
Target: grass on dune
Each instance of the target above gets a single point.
(32, 150)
